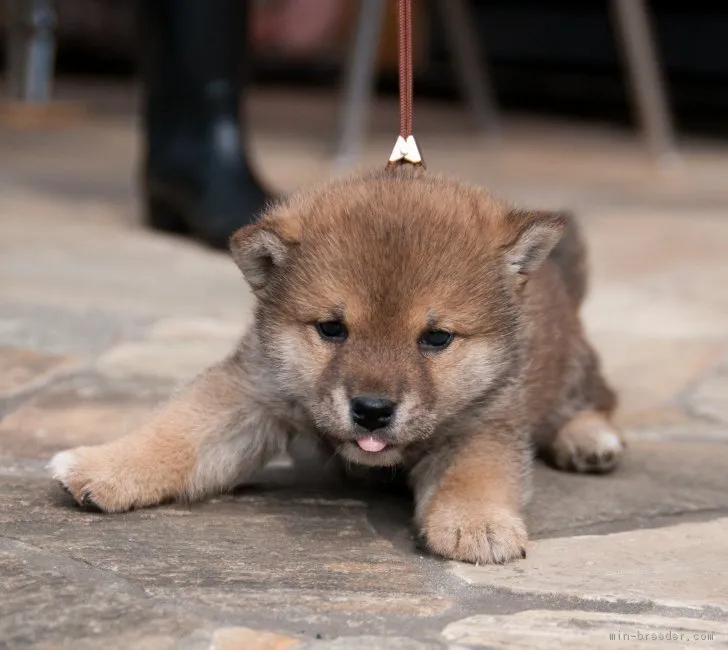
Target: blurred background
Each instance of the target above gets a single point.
(622, 89)
(134, 137)
(559, 58)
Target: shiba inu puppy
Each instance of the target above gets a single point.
(402, 320)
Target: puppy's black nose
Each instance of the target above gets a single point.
(372, 411)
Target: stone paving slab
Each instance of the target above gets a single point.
(673, 422)
(709, 399)
(86, 409)
(237, 638)
(54, 329)
(175, 349)
(630, 362)
(175, 360)
(307, 555)
(60, 601)
(575, 629)
(125, 273)
(22, 369)
(658, 481)
(675, 566)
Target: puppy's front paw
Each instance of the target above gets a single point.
(475, 534)
(92, 477)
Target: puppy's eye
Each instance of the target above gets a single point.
(436, 339)
(332, 330)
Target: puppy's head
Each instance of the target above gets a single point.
(391, 302)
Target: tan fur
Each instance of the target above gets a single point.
(390, 254)
(467, 506)
(202, 441)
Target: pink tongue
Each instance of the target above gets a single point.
(371, 444)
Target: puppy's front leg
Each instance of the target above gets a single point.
(205, 439)
(468, 501)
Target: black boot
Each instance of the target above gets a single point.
(196, 175)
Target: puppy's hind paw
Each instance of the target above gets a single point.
(588, 444)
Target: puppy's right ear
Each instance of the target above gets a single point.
(262, 248)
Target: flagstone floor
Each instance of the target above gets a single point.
(100, 319)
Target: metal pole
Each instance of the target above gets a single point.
(31, 49)
(359, 82)
(648, 93)
(469, 64)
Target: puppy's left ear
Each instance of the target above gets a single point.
(260, 250)
(536, 234)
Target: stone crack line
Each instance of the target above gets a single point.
(642, 519)
(73, 567)
(107, 581)
(15, 400)
(556, 601)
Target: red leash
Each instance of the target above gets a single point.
(405, 149)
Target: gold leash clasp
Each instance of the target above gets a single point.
(406, 151)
